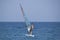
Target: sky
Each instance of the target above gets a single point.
(36, 10)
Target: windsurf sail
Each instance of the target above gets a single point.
(28, 24)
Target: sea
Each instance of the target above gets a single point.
(42, 31)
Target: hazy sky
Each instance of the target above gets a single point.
(36, 10)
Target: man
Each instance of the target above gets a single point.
(30, 29)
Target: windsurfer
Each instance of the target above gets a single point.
(30, 29)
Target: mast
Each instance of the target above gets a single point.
(28, 24)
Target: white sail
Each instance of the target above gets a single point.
(28, 24)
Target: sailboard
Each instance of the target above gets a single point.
(28, 24)
(30, 35)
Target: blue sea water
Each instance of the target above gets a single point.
(42, 31)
